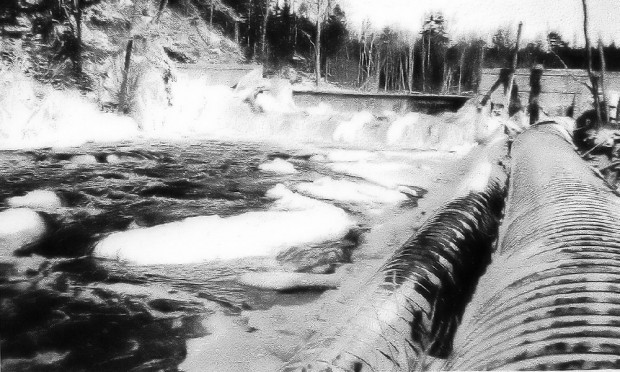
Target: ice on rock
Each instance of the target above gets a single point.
(37, 199)
(293, 220)
(278, 166)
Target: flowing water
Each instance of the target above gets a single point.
(186, 252)
(140, 316)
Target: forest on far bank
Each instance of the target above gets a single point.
(287, 33)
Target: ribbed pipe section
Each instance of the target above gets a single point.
(550, 299)
(419, 295)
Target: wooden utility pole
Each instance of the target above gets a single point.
(593, 78)
(601, 52)
(535, 89)
(513, 69)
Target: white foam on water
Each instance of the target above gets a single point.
(229, 347)
(33, 115)
(42, 199)
(342, 155)
(20, 227)
(278, 166)
(399, 127)
(349, 191)
(60, 118)
(282, 280)
(293, 220)
(350, 131)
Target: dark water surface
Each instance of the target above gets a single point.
(75, 312)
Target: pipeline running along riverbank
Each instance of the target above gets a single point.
(548, 299)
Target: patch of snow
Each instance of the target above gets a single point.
(283, 281)
(399, 127)
(350, 155)
(348, 191)
(321, 109)
(350, 131)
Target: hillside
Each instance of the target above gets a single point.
(41, 43)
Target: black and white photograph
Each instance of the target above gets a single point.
(309, 185)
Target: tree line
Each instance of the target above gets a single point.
(314, 36)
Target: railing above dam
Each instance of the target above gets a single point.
(378, 103)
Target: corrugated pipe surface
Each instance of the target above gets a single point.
(550, 299)
(419, 294)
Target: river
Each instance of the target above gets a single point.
(79, 308)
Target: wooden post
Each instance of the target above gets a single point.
(593, 78)
(513, 69)
(123, 93)
(535, 88)
(605, 113)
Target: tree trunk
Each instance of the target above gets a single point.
(402, 75)
(378, 69)
(461, 66)
(211, 14)
(593, 78)
(601, 52)
(78, 24)
(423, 64)
(236, 32)
(428, 61)
(317, 52)
(411, 65)
(264, 30)
(480, 67)
(122, 104)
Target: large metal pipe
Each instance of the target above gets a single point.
(550, 299)
(418, 296)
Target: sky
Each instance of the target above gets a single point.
(483, 17)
